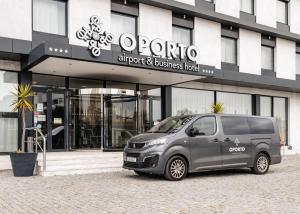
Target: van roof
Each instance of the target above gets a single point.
(234, 115)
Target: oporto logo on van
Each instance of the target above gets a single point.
(237, 148)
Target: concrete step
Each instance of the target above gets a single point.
(81, 171)
(73, 163)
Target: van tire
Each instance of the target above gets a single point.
(261, 164)
(176, 168)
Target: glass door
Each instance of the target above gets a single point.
(49, 112)
(57, 120)
(85, 122)
(120, 120)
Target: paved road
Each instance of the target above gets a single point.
(233, 191)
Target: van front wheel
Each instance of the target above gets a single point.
(261, 164)
(176, 168)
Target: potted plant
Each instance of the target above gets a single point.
(23, 163)
(217, 108)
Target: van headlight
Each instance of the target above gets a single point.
(159, 141)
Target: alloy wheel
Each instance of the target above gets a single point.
(177, 169)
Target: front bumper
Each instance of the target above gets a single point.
(149, 162)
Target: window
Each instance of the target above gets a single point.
(282, 11)
(267, 58)
(229, 50)
(42, 80)
(49, 16)
(206, 125)
(191, 101)
(8, 119)
(265, 106)
(260, 125)
(235, 103)
(122, 24)
(181, 35)
(298, 63)
(235, 125)
(280, 113)
(247, 6)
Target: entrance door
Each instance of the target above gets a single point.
(49, 112)
(85, 116)
(120, 120)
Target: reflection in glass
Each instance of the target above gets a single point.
(280, 115)
(121, 118)
(40, 111)
(8, 120)
(58, 114)
(235, 103)
(149, 107)
(85, 122)
(265, 106)
(191, 101)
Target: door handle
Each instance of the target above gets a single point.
(216, 140)
(227, 139)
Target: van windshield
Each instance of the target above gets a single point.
(171, 124)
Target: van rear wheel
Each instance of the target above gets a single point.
(261, 164)
(176, 168)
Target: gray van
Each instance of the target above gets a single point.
(192, 143)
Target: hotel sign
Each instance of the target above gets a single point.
(168, 55)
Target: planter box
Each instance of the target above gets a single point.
(23, 163)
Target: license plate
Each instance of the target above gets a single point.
(130, 159)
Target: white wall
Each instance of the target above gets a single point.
(294, 118)
(16, 16)
(266, 12)
(249, 52)
(154, 22)
(228, 7)
(294, 16)
(207, 37)
(285, 59)
(79, 15)
(191, 2)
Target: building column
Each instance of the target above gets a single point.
(166, 101)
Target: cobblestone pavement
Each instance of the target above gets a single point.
(230, 191)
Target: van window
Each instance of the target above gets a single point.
(171, 124)
(235, 125)
(206, 125)
(260, 125)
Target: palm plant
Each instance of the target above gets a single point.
(22, 93)
(217, 108)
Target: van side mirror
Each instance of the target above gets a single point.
(194, 132)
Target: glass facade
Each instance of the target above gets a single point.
(280, 113)
(181, 35)
(298, 63)
(191, 101)
(229, 50)
(122, 24)
(247, 6)
(8, 119)
(150, 106)
(282, 11)
(266, 106)
(235, 103)
(267, 58)
(49, 16)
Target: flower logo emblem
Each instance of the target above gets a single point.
(94, 34)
